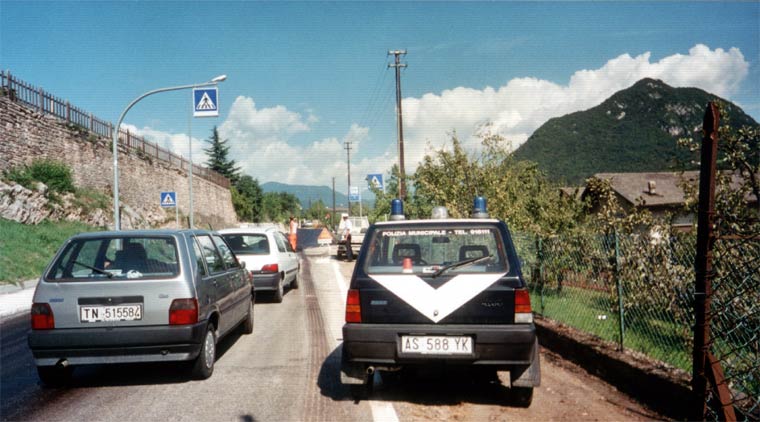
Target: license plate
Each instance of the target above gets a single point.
(110, 313)
(437, 345)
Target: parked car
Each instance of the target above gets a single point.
(138, 296)
(268, 256)
(440, 293)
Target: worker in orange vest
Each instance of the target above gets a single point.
(292, 236)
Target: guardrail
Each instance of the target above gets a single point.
(45, 103)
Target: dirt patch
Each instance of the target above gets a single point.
(662, 387)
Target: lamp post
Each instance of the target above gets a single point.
(116, 221)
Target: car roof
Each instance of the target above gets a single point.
(249, 230)
(438, 222)
(141, 232)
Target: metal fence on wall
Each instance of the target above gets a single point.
(46, 103)
(638, 292)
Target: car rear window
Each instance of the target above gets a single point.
(247, 244)
(128, 257)
(428, 250)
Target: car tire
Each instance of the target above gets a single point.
(54, 376)
(248, 321)
(203, 366)
(279, 291)
(521, 396)
(294, 282)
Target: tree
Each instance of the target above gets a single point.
(279, 206)
(246, 199)
(218, 159)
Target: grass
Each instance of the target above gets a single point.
(593, 312)
(26, 250)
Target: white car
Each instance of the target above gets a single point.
(268, 256)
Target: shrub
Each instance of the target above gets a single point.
(56, 175)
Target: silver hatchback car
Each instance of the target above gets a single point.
(138, 296)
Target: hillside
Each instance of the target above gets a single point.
(635, 130)
(306, 193)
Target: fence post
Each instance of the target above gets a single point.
(41, 99)
(540, 270)
(68, 112)
(619, 284)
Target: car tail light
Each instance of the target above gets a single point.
(353, 307)
(183, 312)
(523, 311)
(42, 317)
(270, 268)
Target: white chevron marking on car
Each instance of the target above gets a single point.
(436, 304)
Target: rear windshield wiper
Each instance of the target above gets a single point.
(462, 263)
(96, 269)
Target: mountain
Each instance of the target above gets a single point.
(635, 130)
(306, 193)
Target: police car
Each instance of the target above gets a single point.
(439, 292)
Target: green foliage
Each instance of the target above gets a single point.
(635, 130)
(55, 174)
(247, 199)
(517, 191)
(279, 206)
(219, 161)
(25, 250)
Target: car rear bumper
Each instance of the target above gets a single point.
(265, 281)
(497, 345)
(116, 344)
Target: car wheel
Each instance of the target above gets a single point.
(248, 321)
(203, 366)
(54, 376)
(294, 282)
(279, 291)
(521, 396)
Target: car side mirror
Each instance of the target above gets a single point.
(242, 265)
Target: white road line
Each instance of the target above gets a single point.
(381, 411)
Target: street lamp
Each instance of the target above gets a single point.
(117, 224)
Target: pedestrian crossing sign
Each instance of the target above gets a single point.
(206, 102)
(168, 199)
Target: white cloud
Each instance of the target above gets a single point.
(174, 142)
(246, 122)
(519, 107)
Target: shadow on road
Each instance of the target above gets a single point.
(438, 385)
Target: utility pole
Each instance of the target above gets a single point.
(347, 147)
(332, 216)
(400, 125)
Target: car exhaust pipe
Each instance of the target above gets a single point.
(63, 363)
(370, 370)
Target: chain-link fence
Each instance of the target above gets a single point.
(638, 291)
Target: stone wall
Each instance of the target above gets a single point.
(26, 135)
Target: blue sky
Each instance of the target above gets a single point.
(305, 77)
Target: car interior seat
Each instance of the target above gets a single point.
(406, 250)
(472, 251)
(132, 257)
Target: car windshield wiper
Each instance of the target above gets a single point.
(96, 269)
(462, 263)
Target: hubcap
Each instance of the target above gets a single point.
(209, 349)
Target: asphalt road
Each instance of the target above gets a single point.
(287, 370)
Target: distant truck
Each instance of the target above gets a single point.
(359, 226)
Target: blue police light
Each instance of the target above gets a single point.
(479, 209)
(397, 210)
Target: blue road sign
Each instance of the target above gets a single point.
(376, 180)
(206, 102)
(353, 194)
(168, 199)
